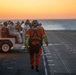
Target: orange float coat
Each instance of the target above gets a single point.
(35, 58)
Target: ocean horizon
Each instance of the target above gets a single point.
(54, 24)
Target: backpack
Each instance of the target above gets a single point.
(34, 48)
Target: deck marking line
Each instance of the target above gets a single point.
(44, 63)
(61, 60)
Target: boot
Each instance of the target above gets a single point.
(32, 67)
(37, 70)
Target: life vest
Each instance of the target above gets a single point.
(34, 42)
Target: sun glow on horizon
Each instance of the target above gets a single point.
(40, 9)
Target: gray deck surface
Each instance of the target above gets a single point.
(60, 57)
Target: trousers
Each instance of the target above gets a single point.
(35, 58)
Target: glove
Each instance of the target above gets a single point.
(46, 43)
(45, 39)
(26, 45)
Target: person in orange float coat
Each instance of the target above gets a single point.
(40, 34)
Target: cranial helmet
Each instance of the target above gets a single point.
(35, 23)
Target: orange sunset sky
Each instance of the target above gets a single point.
(37, 9)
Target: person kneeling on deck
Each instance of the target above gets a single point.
(33, 40)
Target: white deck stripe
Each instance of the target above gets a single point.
(51, 65)
(48, 56)
(44, 64)
(49, 60)
(51, 44)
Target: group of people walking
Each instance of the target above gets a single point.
(34, 35)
